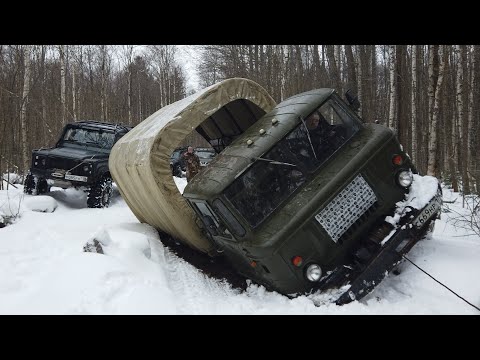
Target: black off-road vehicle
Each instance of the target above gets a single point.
(177, 163)
(205, 155)
(79, 159)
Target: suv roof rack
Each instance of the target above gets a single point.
(102, 124)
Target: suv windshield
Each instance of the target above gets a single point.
(205, 154)
(285, 167)
(101, 139)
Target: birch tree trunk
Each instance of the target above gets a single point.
(393, 84)
(471, 128)
(373, 84)
(414, 103)
(432, 49)
(360, 80)
(338, 62)
(46, 137)
(449, 139)
(61, 49)
(432, 144)
(74, 94)
(333, 68)
(460, 55)
(23, 111)
(462, 84)
(352, 79)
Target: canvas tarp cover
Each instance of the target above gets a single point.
(140, 160)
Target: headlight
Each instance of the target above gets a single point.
(313, 272)
(40, 162)
(86, 168)
(405, 178)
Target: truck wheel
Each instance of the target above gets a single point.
(100, 193)
(29, 186)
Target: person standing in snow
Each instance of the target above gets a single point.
(192, 162)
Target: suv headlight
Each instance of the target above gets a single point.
(86, 168)
(405, 178)
(40, 161)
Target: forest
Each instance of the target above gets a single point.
(428, 94)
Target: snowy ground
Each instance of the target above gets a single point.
(43, 269)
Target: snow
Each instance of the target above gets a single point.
(44, 269)
(41, 203)
(423, 188)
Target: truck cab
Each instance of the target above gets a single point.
(299, 201)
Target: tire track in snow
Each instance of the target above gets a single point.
(196, 293)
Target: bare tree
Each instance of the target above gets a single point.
(61, 50)
(432, 144)
(414, 103)
(392, 119)
(360, 78)
(23, 112)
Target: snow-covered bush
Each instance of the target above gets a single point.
(13, 178)
(468, 216)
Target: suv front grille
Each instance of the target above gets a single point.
(65, 164)
(348, 206)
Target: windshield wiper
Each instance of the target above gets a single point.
(274, 162)
(308, 136)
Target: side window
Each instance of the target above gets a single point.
(213, 224)
(231, 221)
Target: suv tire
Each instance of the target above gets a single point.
(35, 186)
(30, 184)
(100, 193)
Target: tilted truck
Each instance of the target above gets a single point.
(292, 209)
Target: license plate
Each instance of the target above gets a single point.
(76, 178)
(430, 210)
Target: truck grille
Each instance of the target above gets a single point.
(346, 208)
(64, 164)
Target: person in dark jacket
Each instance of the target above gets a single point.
(192, 163)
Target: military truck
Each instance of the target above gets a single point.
(297, 209)
(79, 159)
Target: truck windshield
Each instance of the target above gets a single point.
(285, 167)
(101, 139)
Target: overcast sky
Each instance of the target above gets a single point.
(188, 57)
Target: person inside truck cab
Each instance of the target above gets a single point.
(322, 134)
(315, 121)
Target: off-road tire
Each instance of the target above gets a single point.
(30, 184)
(42, 186)
(100, 193)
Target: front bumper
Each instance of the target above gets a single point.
(364, 278)
(61, 179)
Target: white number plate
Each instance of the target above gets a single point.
(76, 178)
(429, 211)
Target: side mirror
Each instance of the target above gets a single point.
(352, 100)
